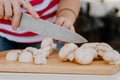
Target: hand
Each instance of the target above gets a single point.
(11, 9)
(66, 23)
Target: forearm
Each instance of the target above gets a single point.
(74, 6)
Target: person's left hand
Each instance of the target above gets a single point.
(66, 23)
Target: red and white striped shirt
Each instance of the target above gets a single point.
(46, 10)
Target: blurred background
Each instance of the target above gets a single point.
(99, 21)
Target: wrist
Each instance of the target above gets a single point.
(68, 10)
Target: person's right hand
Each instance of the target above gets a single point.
(11, 9)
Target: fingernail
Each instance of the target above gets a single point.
(14, 28)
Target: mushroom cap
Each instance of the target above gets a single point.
(13, 55)
(103, 47)
(32, 50)
(46, 42)
(85, 55)
(111, 56)
(91, 45)
(66, 50)
(25, 56)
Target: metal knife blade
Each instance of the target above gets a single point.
(49, 29)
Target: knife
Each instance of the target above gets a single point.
(49, 29)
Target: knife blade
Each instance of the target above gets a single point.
(49, 29)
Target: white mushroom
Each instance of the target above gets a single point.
(45, 51)
(103, 47)
(67, 52)
(85, 55)
(111, 56)
(89, 45)
(13, 55)
(54, 46)
(48, 42)
(32, 50)
(40, 59)
(25, 56)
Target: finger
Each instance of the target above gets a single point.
(66, 24)
(8, 9)
(59, 21)
(72, 28)
(17, 14)
(1, 9)
(30, 9)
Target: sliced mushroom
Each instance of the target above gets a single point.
(67, 52)
(103, 47)
(111, 56)
(85, 55)
(32, 50)
(89, 45)
(45, 51)
(13, 55)
(46, 42)
(40, 59)
(25, 56)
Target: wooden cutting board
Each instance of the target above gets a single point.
(56, 66)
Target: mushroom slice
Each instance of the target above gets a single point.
(13, 55)
(45, 52)
(40, 59)
(112, 57)
(85, 55)
(25, 56)
(32, 50)
(67, 52)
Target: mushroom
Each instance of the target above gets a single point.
(40, 59)
(90, 45)
(111, 56)
(85, 55)
(54, 46)
(13, 55)
(103, 47)
(48, 42)
(25, 56)
(67, 52)
(32, 50)
(45, 51)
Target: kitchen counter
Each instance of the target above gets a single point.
(33, 76)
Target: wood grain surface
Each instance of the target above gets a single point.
(55, 66)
